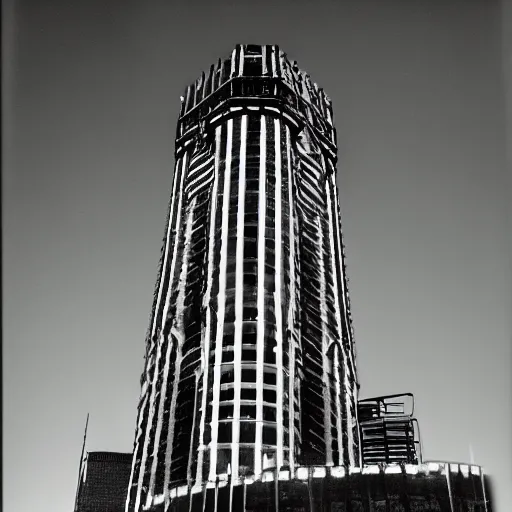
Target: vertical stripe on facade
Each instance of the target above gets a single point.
(336, 369)
(177, 231)
(260, 340)
(278, 287)
(239, 299)
(207, 306)
(350, 396)
(325, 347)
(178, 172)
(291, 305)
(221, 305)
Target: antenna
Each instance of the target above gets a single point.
(81, 462)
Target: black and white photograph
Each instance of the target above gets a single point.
(257, 256)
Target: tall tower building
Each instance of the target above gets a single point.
(249, 398)
(250, 359)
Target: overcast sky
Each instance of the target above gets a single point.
(91, 97)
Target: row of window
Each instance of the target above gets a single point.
(247, 433)
(248, 393)
(247, 411)
(246, 459)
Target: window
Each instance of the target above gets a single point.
(250, 279)
(250, 313)
(251, 217)
(251, 232)
(248, 375)
(249, 355)
(224, 461)
(269, 354)
(248, 411)
(229, 339)
(269, 459)
(247, 431)
(250, 248)
(252, 185)
(246, 461)
(250, 266)
(225, 411)
(228, 356)
(227, 377)
(225, 434)
(269, 395)
(249, 338)
(269, 378)
(247, 394)
(269, 413)
(253, 66)
(227, 394)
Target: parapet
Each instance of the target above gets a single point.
(255, 76)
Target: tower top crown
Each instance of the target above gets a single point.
(258, 75)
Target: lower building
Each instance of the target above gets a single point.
(103, 484)
(430, 487)
(388, 431)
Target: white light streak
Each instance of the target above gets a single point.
(371, 470)
(206, 304)
(394, 469)
(277, 292)
(221, 304)
(291, 309)
(152, 404)
(239, 298)
(260, 332)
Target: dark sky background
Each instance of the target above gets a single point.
(91, 97)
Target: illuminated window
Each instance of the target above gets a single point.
(269, 354)
(269, 459)
(223, 460)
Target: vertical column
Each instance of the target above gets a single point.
(163, 278)
(155, 383)
(326, 388)
(221, 303)
(348, 355)
(339, 329)
(206, 304)
(278, 288)
(291, 306)
(177, 334)
(260, 332)
(239, 299)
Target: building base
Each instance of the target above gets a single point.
(440, 487)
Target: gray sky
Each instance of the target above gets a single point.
(90, 108)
